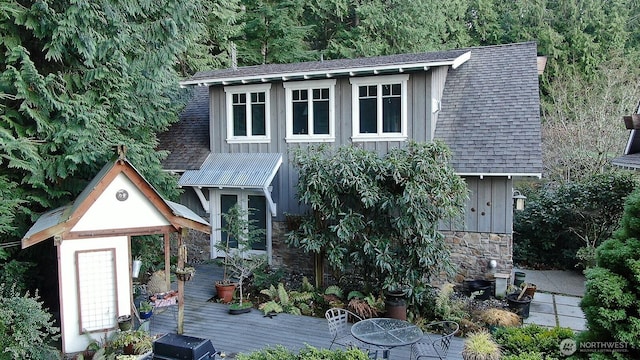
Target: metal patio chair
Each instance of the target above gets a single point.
(339, 321)
(436, 343)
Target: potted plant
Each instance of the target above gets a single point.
(132, 342)
(145, 309)
(238, 262)
(519, 302)
(185, 273)
(124, 322)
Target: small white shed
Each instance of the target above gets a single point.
(93, 241)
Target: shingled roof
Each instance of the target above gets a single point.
(329, 68)
(188, 140)
(490, 115)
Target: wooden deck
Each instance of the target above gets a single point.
(232, 334)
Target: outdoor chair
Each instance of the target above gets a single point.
(340, 330)
(436, 342)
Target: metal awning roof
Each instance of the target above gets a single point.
(238, 171)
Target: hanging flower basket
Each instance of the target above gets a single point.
(185, 274)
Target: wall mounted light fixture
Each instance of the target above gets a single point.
(519, 200)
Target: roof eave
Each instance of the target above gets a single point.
(318, 74)
(507, 175)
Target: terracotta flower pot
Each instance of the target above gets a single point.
(225, 292)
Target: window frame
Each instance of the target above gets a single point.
(378, 81)
(247, 90)
(309, 86)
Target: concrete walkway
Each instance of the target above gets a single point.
(557, 298)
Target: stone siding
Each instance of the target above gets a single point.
(471, 253)
(284, 255)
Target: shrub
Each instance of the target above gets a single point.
(612, 291)
(480, 346)
(26, 329)
(561, 219)
(307, 353)
(532, 338)
(368, 211)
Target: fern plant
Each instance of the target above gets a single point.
(296, 302)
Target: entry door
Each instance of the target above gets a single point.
(226, 199)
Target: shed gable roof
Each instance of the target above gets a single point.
(62, 220)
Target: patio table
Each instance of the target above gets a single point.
(386, 333)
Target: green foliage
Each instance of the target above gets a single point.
(480, 345)
(532, 339)
(279, 352)
(368, 211)
(76, 79)
(141, 340)
(558, 221)
(612, 291)
(26, 328)
(280, 301)
(15, 272)
(241, 230)
(529, 355)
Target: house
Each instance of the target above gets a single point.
(631, 158)
(233, 140)
(92, 237)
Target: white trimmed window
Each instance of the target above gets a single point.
(310, 111)
(248, 112)
(379, 108)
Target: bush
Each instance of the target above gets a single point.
(560, 220)
(612, 291)
(308, 353)
(26, 329)
(532, 339)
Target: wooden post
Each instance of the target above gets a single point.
(182, 256)
(167, 260)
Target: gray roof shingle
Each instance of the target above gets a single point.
(490, 112)
(321, 68)
(188, 140)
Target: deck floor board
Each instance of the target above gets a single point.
(244, 333)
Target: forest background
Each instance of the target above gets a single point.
(79, 77)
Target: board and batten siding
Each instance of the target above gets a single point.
(421, 120)
(488, 209)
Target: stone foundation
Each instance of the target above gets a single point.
(471, 253)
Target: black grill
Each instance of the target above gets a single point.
(181, 347)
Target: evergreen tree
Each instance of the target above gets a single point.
(274, 32)
(612, 292)
(79, 78)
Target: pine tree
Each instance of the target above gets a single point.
(612, 292)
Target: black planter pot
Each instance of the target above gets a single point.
(239, 311)
(482, 288)
(520, 307)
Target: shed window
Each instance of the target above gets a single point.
(96, 274)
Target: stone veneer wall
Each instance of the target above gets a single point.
(284, 255)
(471, 253)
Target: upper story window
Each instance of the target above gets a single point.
(379, 108)
(248, 113)
(310, 110)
